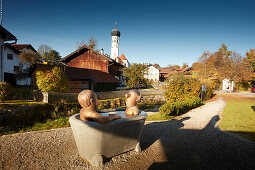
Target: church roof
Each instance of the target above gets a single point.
(122, 57)
(115, 32)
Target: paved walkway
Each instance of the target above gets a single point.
(248, 94)
(190, 143)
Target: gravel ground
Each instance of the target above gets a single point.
(192, 142)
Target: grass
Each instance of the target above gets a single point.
(158, 116)
(49, 124)
(16, 103)
(238, 116)
(20, 102)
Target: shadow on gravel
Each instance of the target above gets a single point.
(209, 148)
(253, 108)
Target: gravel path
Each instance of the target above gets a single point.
(190, 143)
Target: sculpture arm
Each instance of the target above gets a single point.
(102, 119)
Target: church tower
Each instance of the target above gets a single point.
(115, 44)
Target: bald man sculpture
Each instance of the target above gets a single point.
(88, 101)
(131, 101)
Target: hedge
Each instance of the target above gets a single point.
(179, 107)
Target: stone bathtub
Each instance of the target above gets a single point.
(95, 141)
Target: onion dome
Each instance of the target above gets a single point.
(115, 32)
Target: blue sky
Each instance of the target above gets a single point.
(152, 31)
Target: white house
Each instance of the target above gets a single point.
(153, 73)
(8, 56)
(20, 48)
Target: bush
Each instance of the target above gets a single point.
(182, 88)
(21, 93)
(54, 80)
(179, 107)
(5, 89)
(29, 114)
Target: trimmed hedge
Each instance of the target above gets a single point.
(179, 107)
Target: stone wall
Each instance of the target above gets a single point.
(72, 97)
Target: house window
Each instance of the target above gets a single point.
(16, 68)
(10, 56)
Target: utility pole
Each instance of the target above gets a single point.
(1, 12)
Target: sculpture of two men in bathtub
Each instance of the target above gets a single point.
(88, 101)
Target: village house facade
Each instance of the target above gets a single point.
(9, 58)
(152, 73)
(101, 73)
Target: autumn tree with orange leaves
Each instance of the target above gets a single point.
(250, 59)
(223, 64)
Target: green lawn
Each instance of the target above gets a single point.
(239, 117)
(49, 124)
(158, 116)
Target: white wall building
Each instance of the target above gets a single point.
(153, 73)
(227, 85)
(115, 44)
(8, 56)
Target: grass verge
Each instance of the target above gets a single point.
(158, 116)
(239, 116)
(49, 124)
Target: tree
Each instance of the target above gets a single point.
(221, 65)
(43, 48)
(91, 43)
(135, 76)
(52, 57)
(172, 66)
(28, 58)
(184, 65)
(53, 80)
(250, 60)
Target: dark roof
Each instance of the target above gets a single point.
(78, 52)
(83, 74)
(82, 50)
(95, 75)
(6, 35)
(21, 46)
(115, 32)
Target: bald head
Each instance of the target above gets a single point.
(87, 98)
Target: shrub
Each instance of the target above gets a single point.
(182, 88)
(21, 93)
(5, 89)
(52, 81)
(179, 107)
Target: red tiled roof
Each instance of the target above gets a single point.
(11, 47)
(21, 46)
(122, 57)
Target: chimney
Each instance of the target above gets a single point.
(102, 51)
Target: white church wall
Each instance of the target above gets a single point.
(115, 48)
